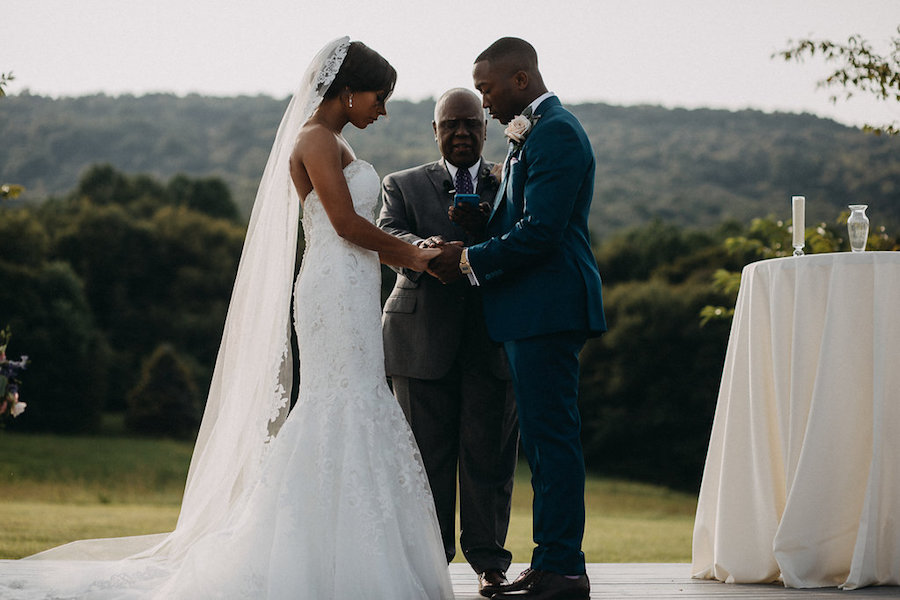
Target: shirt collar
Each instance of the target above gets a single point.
(537, 101)
(473, 171)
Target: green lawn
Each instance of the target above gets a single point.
(57, 489)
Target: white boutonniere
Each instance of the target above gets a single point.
(518, 129)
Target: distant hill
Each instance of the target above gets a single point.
(691, 167)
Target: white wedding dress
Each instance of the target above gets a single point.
(341, 509)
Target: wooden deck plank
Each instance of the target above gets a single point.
(665, 581)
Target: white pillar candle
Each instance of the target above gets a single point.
(798, 206)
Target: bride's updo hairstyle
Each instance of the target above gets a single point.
(363, 70)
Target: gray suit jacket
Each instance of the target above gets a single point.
(426, 324)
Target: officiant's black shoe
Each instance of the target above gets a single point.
(544, 585)
(490, 582)
(521, 581)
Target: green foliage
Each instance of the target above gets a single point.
(165, 401)
(142, 195)
(23, 239)
(725, 282)
(859, 70)
(648, 387)
(209, 196)
(153, 269)
(141, 268)
(771, 238)
(638, 252)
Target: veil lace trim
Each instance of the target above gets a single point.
(328, 72)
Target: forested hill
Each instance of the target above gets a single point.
(690, 167)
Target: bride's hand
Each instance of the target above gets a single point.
(422, 257)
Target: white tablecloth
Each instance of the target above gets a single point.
(802, 476)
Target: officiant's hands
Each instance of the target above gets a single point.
(473, 219)
(435, 241)
(445, 266)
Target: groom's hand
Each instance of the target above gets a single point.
(445, 266)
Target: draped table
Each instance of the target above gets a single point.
(802, 476)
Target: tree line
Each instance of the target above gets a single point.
(92, 282)
(118, 291)
(695, 168)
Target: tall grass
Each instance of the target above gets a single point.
(56, 489)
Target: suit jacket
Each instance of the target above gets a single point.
(426, 323)
(538, 272)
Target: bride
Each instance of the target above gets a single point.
(331, 500)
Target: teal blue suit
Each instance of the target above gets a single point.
(542, 298)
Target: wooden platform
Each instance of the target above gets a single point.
(661, 581)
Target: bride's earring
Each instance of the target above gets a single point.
(351, 100)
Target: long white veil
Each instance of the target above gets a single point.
(251, 385)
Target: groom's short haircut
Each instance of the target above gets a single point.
(514, 53)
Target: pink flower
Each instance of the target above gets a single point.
(518, 129)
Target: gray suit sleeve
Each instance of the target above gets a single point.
(393, 219)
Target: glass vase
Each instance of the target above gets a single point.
(858, 227)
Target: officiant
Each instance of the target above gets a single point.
(450, 379)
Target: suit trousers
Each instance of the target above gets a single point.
(467, 418)
(545, 378)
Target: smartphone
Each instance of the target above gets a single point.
(472, 199)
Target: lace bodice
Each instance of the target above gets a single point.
(364, 187)
(337, 301)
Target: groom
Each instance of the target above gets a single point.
(542, 299)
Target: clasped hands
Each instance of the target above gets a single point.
(472, 219)
(444, 266)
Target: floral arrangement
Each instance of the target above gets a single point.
(10, 405)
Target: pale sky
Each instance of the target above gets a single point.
(674, 53)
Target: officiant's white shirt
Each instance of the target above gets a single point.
(473, 172)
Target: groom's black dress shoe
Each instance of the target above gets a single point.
(490, 582)
(544, 585)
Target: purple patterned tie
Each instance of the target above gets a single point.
(463, 182)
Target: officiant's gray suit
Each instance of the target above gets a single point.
(450, 379)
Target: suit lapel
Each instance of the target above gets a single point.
(440, 179)
(484, 176)
(501, 193)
